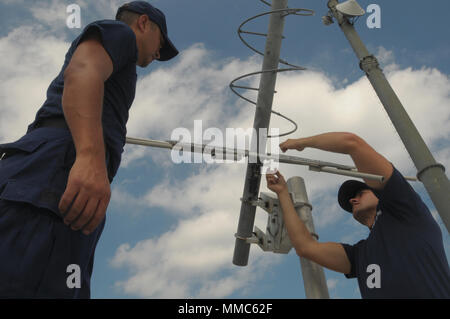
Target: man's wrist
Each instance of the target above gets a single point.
(304, 142)
(94, 155)
(284, 193)
(91, 151)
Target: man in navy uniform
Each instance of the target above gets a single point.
(55, 180)
(403, 256)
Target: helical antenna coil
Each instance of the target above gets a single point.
(291, 67)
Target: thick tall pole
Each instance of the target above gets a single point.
(261, 121)
(430, 173)
(313, 275)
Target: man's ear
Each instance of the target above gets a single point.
(142, 22)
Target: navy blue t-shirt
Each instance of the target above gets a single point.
(403, 256)
(119, 41)
(39, 170)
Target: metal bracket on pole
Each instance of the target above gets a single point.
(421, 171)
(368, 63)
(276, 238)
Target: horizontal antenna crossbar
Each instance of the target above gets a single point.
(314, 165)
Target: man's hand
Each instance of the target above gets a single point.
(276, 183)
(88, 191)
(294, 144)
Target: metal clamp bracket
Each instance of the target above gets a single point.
(428, 167)
(254, 239)
(368, 63)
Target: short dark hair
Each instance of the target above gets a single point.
(128, 17)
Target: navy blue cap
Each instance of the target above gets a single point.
(168, 51)
(347, 191)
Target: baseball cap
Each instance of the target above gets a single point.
(168, 51)
(347, 191)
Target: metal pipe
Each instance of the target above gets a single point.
(314, 165)
(313, 275)
(262, 120)
(430, 173)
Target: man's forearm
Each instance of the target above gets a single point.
(338, 142)
(298, 233)
(363, 155)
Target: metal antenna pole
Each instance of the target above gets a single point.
(261, 121)
(429, 172)
(313, 274)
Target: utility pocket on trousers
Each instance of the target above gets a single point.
(27, 144)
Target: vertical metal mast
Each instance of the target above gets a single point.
(312, 273)
(429, 172)
(261, 121)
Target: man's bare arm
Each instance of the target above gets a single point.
(366, 159)
(87, 194)
(329, 255)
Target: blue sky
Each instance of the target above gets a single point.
(170, 227)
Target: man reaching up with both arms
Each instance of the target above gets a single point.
(403, 256)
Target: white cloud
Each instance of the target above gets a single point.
(197, 253)
(195, 87)
(386, 59)
(211, 187)
(52, 13)
(30, 61)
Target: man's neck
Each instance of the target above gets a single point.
(370, 222)
(367, 218)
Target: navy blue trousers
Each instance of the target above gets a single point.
(40, 257)
(36, 253)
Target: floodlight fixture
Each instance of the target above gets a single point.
(350, 8)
